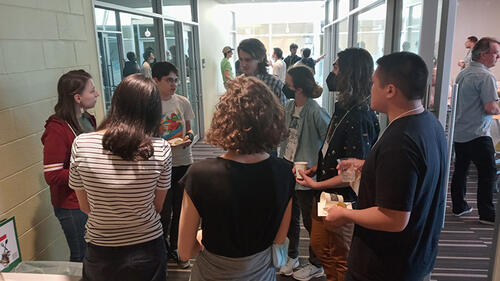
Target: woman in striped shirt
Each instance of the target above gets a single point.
(121, 174)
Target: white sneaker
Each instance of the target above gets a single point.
(290, 265)
(308, 272)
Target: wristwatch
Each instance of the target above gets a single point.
(190, 136)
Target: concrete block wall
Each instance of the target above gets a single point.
(39, 41)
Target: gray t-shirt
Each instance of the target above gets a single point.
(477, 87)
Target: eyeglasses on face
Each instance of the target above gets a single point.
(172, 80)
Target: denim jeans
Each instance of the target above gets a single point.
(140, 262)
(481, 152)
(302, 203)
(73, 224)
(171, 210)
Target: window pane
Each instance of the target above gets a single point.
(342, 39)
(362, 3)
(252, 29)
(105, 20)
(179, 9)
(411, 25)
(371, 29)
(141, 5)
(343, 8)
(172, 54)
(330, 10)
(138, 35)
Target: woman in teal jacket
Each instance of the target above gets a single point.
(307, 122)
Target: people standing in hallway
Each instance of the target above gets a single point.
(225, 66)
(469, 44)
(76, 94)
(243, 197)
(307, 124)
(149, 59)
(352, 131)
(477, 101)
(279, 67)
(292, 58)
(121, 174)
(308, 61)
(402, 190)
(253, 61)
(131, 66)
(177, 115)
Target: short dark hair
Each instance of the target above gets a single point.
(70, 84)
(147, 53)
(306, 52)
(134, 118)
(278, 52)
(407, 71)
(131, 56)
(473, 39)
(256, 50)
(482, 46)
(163, 68)
(294, 46)
(248, 118)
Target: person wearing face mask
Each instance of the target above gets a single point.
(76, 94)
(352, 131)
(307, 124)
(149, 59)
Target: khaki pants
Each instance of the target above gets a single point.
(331, 246)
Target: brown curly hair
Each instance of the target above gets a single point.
(248, 118)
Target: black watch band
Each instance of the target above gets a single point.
(190, 135)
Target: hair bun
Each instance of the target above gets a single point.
(317, 91)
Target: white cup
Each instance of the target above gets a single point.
(300, 166)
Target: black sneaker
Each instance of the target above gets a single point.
(466, 211)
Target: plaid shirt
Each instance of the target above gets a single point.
(274, 84)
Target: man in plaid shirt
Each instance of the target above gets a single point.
(253, 62)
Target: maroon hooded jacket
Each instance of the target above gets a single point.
(57, 141)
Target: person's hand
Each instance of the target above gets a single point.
(351, 162)
(461, 63)
(336, 217)
(187, 142)
(306, 180)
(199, 237)
(311, 172)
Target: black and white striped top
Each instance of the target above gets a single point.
(120, 193)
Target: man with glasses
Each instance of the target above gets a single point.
(177, 115)
(476, 103)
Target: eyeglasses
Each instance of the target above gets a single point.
(172, 80)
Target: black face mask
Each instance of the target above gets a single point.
(289, 93)
(331, 82)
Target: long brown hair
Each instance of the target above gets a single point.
(134, 118)
(303, 78)
(70, 84)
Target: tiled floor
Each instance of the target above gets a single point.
(464, 248)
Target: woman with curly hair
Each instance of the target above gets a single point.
(243, 196)
(352, 131)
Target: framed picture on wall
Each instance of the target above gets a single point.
(10, 254)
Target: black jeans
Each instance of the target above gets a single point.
(171, 210)
(140, 262)
(482, 153)
(302, 203)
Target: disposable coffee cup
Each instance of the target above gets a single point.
(348, 174)
(300, 166)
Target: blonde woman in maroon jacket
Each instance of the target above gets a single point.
(76, 94)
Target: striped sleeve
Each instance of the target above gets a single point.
(166, 173)
(75, 181)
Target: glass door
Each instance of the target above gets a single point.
(110, 64)
(191, 86)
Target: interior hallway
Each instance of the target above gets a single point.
(464, 247)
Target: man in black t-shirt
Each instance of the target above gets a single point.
(292, 58)
(401, 196)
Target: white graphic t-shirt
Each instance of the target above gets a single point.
(175, 112)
